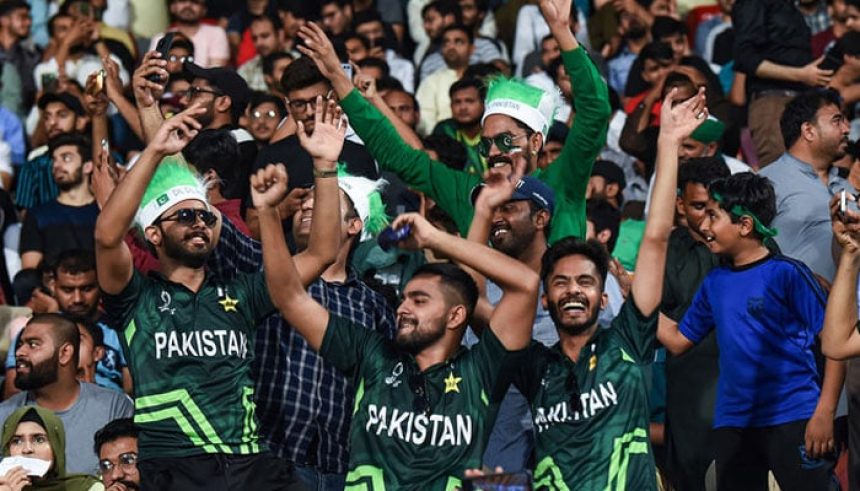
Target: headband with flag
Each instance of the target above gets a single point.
(740, 211)
(534, 107)
(366, 198)
(174, 181)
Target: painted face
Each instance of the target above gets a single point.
(497, 125)
(421, 314)
(574, 294)
(31, 440)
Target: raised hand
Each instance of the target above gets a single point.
(269, 186)
(556, 12)
(146, 92)
(326, 141)
(95, 99)
(813, 76)
(113, 83)
(104, 178)
(499, 185)
(15, 480)
(678, 120)
(422, 235)
(366, 85)
(846, 225)
(176, 132)
(319, 48)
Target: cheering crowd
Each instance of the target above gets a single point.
(430, 244)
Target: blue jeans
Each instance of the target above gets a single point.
(315, 480)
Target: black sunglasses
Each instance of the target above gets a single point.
(189, 216)
(503, 141)
(420, 402)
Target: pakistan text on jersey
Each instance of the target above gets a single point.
(208, 343)
(436, 429)
(591, 402)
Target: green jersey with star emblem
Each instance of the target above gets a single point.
(412, 429)
(592, 431)
(190, 356)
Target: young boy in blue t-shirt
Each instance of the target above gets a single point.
(773, 411)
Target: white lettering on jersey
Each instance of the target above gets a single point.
(413, 428)
(598, 399)
(197, 344)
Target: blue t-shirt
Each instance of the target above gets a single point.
(108, 369)
(767, 315)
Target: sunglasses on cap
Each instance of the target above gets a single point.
(189, 216)
(503, 141)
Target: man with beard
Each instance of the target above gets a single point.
(815, 132)
(116, 447)
(588, 392)
(46, 371)
(434, 100)
(424, 405)
(514, 127)
(467, 107)
(188, 332)
(75, 293)
(68, 221)
(634, 33)
(268, 38)
(15, 23)
(211, 47)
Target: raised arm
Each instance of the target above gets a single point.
(840, 338)
(513, 317)
(309, 318)
(112, 254)
(147, 92)
(676, 123)
(367, 86)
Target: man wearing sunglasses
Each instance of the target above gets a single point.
(188, 332)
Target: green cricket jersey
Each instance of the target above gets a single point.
(604, 445)
(395, 443)
(190, 357)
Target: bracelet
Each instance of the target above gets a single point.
(323, 173)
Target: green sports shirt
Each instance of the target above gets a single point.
(396, 443)
(602, 445)
(190, 357)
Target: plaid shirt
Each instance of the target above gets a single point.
(303, 403)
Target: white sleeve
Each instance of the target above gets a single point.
(524, 38)
(415, 21)
(117, 14)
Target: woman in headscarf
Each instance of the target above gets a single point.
(38, 433)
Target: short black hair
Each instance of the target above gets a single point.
(702, 170)
(482, 71)
(751, 191)
(375, 63)
(301, 74)
(604, 216)
(74, 261)
(569, 246)
(460, 27)
(392, 84)
(217, 149)
(664, 26)
(81, 141)
(183, 43)
(63, 330)
(802, 109)
(451, 152)
(340, 3)
(468, 83)
(272, 19)
(361, 39)
(259, 97)
(272, 58)
(9, 6)
(853, 3)
(366, 17)
(52, 29)
(116, 429)
(455, 280)
(445, 7)
(656, 50)
(94, 331)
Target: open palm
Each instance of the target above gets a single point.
(678, 120)
(326, 141)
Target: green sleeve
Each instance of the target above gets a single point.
(345, 345)
(448, 187)
(494, 364)
(256, 294)
(120, 308)
(637, 331)
(568, 174)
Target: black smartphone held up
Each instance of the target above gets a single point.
(50, 83)
(504, 481)
(833, 60)
(163, 47)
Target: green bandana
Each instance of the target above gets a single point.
(740, 211)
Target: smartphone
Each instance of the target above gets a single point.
(50, 82)
(347, 69)
(503, 481)
(833, 60)
(163, 47)
(98, 85)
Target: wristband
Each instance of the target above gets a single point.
(323, 173)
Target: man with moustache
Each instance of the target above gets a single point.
(187, 331)
(116, 447)
(514, 128)
(46, 369)
(211, 47)
(467, 108)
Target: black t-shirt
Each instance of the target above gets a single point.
(300, 165)
(53, 228)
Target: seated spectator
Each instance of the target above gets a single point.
(336, 16)
(181, 50)
(59, 113)
(268, 37)
(15, 145)
(467, 108)
(273, 69)
(265, 113)
(239, 26)
(370, 25)
(117, 40)
(633, 34)
(211, 47)
(653, 63)
(433, 96)
(92, 351)
(46, 370)
(116, 447)
(374, 67)
(15, 23)
(38, 433)
(357, 47)
(68, 221)
(485, 51)
(404, 105)
(709, 31)
(435, 16)
(607, 182)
